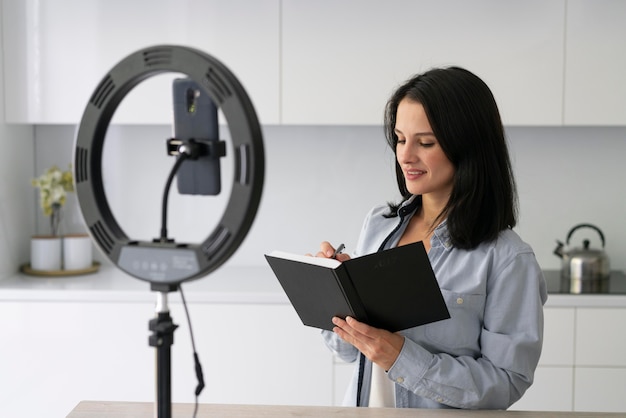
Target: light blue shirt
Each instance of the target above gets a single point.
(485, 355)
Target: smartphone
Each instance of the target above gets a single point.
(195, 118)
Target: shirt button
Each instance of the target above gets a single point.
(459, 301)
(400, 379)
(440, 400)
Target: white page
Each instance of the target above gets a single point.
(318, 261)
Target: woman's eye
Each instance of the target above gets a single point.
(401, 141)
(427, 144)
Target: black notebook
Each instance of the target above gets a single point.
(393, 289)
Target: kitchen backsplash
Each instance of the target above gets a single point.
(320, 181)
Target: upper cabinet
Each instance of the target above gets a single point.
(56, 53)
(595, 85)
(323, 62)
(342, 60)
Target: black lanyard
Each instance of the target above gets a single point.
(402, 212)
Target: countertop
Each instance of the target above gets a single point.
(138, 409)
(227, 284)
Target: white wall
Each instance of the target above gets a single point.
(320, 182)
(17, 212)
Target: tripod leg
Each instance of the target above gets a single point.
(162, 338)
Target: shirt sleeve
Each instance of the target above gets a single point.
(345, 351)
(510, 340)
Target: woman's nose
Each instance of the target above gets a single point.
(406, 154)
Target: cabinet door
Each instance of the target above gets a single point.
(600, 389)
(558, 337)
(552, 387)
(61, 353)
(595, 91)
(600, 371)
(60, 50)
(551, 391)
(342, 375)
(600, 337)
(342, 60)
(253, 354)
(53, 355)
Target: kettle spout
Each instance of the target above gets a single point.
(558, 251)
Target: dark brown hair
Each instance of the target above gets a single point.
(466, 122)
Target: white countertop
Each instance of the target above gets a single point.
(227, 284)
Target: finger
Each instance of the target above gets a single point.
(343, 330)
(342, 257)
(350, 331)
(326, 249)
(360, 328)
(380, 346)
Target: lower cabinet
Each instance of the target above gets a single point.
(551, 390)
(56, 354)
(582, 365)
(342, 376)
(53, 355)
(600, 389)
(600, 372)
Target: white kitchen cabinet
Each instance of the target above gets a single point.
(582, 366)
(601, 337)
(57, 51)
(322, 62)
(554, 377)
(558, 337)
(595, 63)
(342, 375)
(55, 354)
(342, 60)
(551, 390)
(600, 389)
(600, 373)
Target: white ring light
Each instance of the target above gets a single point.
(160, 262)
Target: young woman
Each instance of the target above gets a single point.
(458, 197)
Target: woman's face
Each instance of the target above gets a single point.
(427, 170)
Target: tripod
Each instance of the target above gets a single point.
(162, 338)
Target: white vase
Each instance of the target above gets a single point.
(77, 254)
(45, 253)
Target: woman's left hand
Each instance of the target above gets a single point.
(380, 346)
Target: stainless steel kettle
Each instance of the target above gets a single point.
(582, 265)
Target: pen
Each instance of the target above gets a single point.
(338, 250)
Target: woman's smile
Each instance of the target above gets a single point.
(411, 174)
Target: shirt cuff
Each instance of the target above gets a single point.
(411, 365)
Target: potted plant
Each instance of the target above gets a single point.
(53, 185)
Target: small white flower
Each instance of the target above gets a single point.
(53, 188)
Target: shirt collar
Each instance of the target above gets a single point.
(441, 236)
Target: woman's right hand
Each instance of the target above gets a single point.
(327, 251)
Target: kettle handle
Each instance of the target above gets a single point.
(571, 232)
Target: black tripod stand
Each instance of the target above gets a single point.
(162, 338)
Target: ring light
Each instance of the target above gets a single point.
(170, 262)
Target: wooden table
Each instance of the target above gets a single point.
(101, 409)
